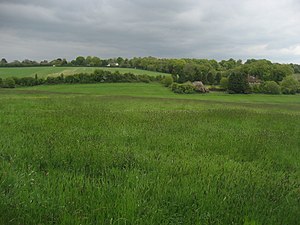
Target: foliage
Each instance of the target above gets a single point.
(279, 72)
(185, 88)
(207, 71)
(98, 76)
(256, 88)
(238, 83)
(271, 87)
(167, 81)
(8, 83)
(218, 78)
(224, 83)
(211, 77)
(289, 85)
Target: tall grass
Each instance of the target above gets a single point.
(86, 159)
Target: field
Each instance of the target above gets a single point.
(140, 154)
(56, 71)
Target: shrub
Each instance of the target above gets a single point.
(26, 81)
(144, 78)
(185, 88)
(238, 83)
(224, 83)
(256, 88)
(8, 83)
(271, 87)
(167, 81)
(289, 85)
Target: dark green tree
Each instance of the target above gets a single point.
(3, 62)
(238, 83)
(218, 77)
(211, 77)
(80, 61)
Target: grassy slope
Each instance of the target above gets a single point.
(156, 90)
(55, 71)
(96, 158)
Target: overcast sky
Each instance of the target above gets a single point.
(214, 29)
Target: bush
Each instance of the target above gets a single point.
(289, 85)
(26, 81)
(144, 78)
(8, 83)
(185, 88)
(238, 83)
(167, 81)
(271, 87)
(256, 88)
(224, 83)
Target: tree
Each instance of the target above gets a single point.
(260, 69)
(280, 71)
(88, 60)
(80, 61)
(271, 87)
(224, 83)
(289, 85)
(167, 81)
(95, 61)
(211, 77)
(120, 60)
(3, 61)
(238, 83)
(218, 78)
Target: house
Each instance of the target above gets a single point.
(112, 65)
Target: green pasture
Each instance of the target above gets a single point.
(140, 154)
(56, 71)
(157, 90)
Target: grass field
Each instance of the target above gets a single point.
(56, 71)
(140, 154)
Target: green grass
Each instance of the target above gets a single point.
(156, 90)
(56, 71)
(139, 154)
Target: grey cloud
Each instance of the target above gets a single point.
(163, 28)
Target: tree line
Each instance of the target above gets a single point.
(233, 75)
(208, 71)
(98, 76)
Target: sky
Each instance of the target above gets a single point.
(213, 29)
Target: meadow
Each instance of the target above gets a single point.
(43, 72)
(140, 154)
